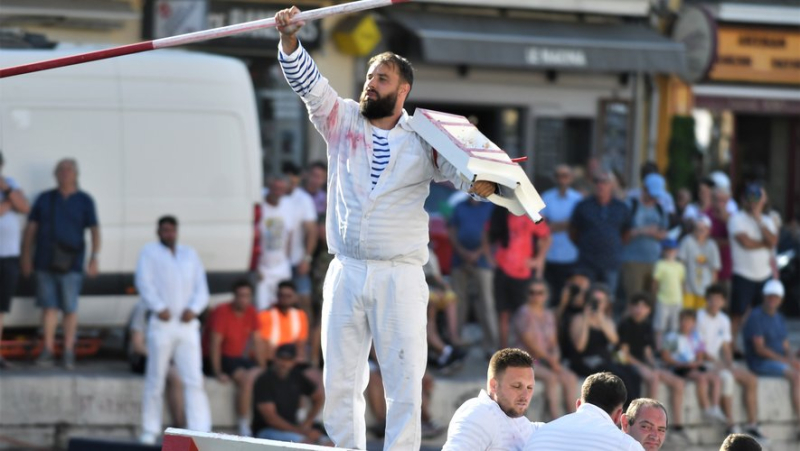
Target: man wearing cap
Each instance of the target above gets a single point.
(12, 201)
(753, 236)
(276, 401)
(766, 342)
(649, 224)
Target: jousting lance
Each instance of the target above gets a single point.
(197, 36)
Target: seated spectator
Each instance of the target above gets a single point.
(766, 342)
(683, 353)
(637, 346)
(646, 421)
(668, 277)
(442, 299)
(740, 442)
(593, 333)
(595, 424)
(495, 420)
(284, 323)
(700, 254)
(137, 357)
(234, 338)
(535, 327)
(714, 328)
(276, 401)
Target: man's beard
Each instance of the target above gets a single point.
(378, 108)
(510, 410)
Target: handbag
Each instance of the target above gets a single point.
(64, 255)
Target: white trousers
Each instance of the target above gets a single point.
(180, 342)
(386, 303)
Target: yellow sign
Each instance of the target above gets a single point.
(757, 55)
(357, 35)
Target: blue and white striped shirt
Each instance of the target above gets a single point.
(380, 153)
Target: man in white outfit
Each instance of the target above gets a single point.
(379, 174)
(495, 420)
(172, 283)
(274, 228)
(594, 425)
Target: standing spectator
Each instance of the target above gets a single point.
(520, 247)
(595, 424)
(664, 198)
(276, 401)
(719, 215)
(753, 238)
(700, 255)
(766, 342)
(316, 176)
(714, 328)
(599, 226)
(234, 339)
(273, 263)
(375, 290)
(593, 333)
(669, 276)
(12, 201)
(284, 323)
(684, 353)
(303, 235)
(637, 344)
(646, 421)
(536, 332)
(172, 282)
(55, 228)
(649, 224)
(563, 254)
(470, 266)
(495, 420)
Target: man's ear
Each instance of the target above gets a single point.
(616, 415)
(624, 422)
(405, 88)
(492, 386)
(577, 403)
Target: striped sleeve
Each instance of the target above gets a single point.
(300, 70)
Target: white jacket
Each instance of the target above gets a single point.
(174, 281)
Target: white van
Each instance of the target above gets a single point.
(164, 132)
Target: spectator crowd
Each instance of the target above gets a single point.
(654, 291)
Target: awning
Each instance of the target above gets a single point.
(518, 43)
(76, 13)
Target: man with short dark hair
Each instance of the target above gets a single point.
(495, 420)
(172, 283)
(594, 425)
(740, 442)
(283, 323)
(646, 421)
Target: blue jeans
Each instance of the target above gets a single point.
(281, 436)
(58, 291)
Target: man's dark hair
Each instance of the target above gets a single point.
(318, 165)
(647, 168)
(604, 390)
(403, 66)
(740, 442)
(642, 296)
(638, 404)
(287, 284)
(508, 358)
(716, 289)
(687, 313)
(168, 219)
(289, 168)
(240, 283)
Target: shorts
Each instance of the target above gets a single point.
(694, 301)
(58, 291)
(745, 293)
(728, 381)
(231, 364)
(9, 275)
(772, 368)
(683, 372)
(302, 283)
(666, 318)
(509, 293)
(440, 299)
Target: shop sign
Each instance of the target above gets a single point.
(229, 13)
(555, 57)
(759, 55)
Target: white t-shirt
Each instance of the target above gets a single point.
(480, 424)
(714, 332)
(589, 428)
(752, 264)
(275, 233)
(303, 210)
(10, 231)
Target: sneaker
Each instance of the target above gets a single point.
(679, 436)
(715, 414)
(69, 360)
(147, 438)
(735, 429)
(454, 362)
(46, 359)
(753, 430)
(430, 429)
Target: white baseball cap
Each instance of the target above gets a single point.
(774, 287)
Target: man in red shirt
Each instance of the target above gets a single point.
(519, 250)
(234, 349)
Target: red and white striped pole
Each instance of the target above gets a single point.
(188, 38)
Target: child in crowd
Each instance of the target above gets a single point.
(684, 353)
(668, 277)
(700, 254)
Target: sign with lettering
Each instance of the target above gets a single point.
(757, 55)
(555, 57)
